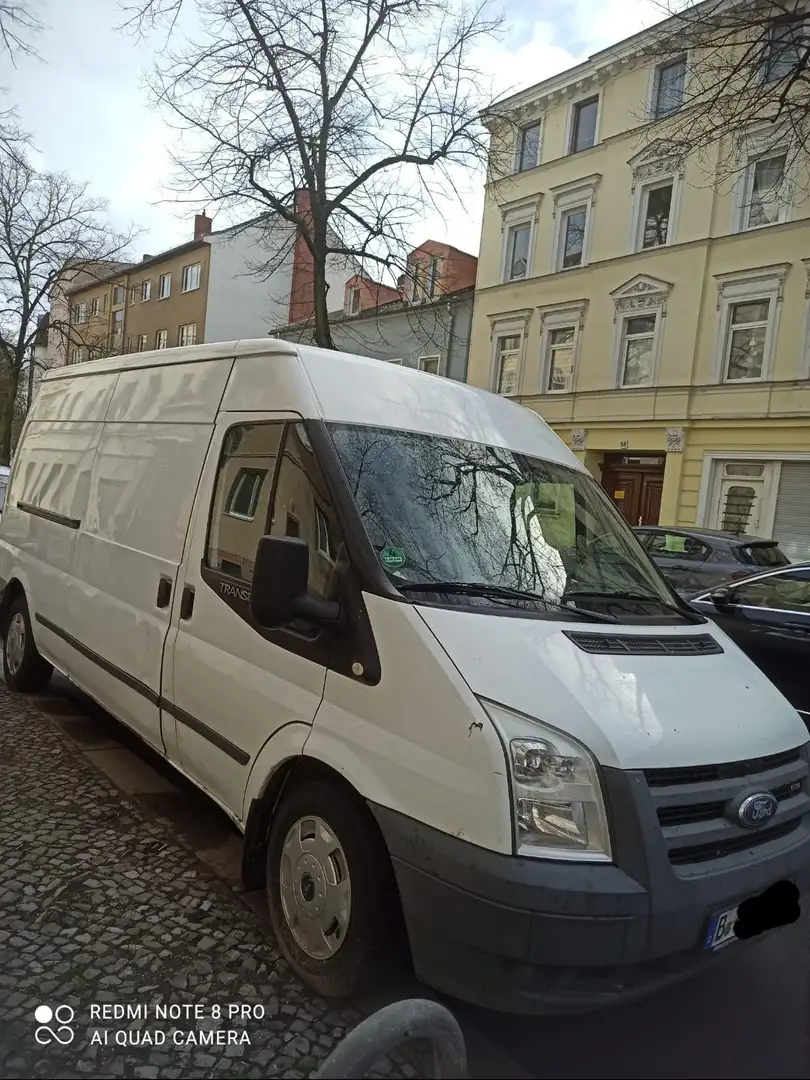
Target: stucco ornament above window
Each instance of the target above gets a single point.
(641, 293)
(647, 166)
(674, 440)
(578, 438)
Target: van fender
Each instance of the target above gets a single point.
(14, 587)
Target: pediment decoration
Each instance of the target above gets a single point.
(640, 293)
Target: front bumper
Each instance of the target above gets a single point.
(531, 936)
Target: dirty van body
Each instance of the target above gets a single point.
(391, 625)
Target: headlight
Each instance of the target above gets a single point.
(556, 794)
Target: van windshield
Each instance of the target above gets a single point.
(463, 515)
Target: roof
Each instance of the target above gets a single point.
(349, 389)
(391, 307)
(128, 268)
(717, 534)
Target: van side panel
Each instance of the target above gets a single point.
(141, 491)
(84, 397)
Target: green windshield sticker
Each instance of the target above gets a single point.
(392, 558)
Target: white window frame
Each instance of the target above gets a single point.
(569, 122)
(123, 300)
(620, 339)
(186, 274)
(761, 144)
(655, 82)
(568, 198)
(143, 343)
(77, 356)
(181, 335)
(118, 324)
(439, 363)
(81, 314)
(94, 307)
(766, 54)
(165, 344)
(513, 218)
(132, 292)
(354, 291)
(161, 294)
(742, 287)
(560, 317)
(511, 324)
(641, 195)
(519, 145)
(322, 526)
(146, 290)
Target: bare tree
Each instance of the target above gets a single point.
(729, 70)
(48, 223)
(18, 25)
(344, 119)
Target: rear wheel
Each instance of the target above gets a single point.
(331, 892)
(23, 668)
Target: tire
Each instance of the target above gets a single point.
(23, 668)
(321, 833)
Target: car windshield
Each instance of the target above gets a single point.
(456, 513)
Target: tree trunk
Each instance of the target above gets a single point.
(323, 332)
(9, 396)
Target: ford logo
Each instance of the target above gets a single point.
(757, 809)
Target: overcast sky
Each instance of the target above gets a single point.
(86, 108)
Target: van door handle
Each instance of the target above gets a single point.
(187, 602)
(164, 593)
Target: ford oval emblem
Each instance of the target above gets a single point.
(757, 809)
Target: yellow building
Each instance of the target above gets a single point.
(657, 319)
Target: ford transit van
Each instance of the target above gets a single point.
(393, 627)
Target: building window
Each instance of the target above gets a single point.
(431, 364)
(142, 346)
(323, 540)
(104, 300)
(132, 293)
(432, 277)
(396, 363)
(118, 323)
(191, 277)
(243, 497)
(146, 291)
(784, 52)
(94, 306)
(765, 196)
(119, 294)
(560, 359)
(354, 301)
(572, 237)
(80, 314)
(529, 148)
(668, 87)
(417, 281)
(161, 339)
(638, 350)
(746, 340)
(517, 251)
(77, 356)
(507, 362)
(187, 334)
(164, 286)
(656, 212)
(583, 125)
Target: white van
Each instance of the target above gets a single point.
(394, 628)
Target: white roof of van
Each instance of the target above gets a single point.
(346, 388)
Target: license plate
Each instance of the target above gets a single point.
(721, 929)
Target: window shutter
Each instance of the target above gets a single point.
(791, 523)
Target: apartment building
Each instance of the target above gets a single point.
(424, 323)
(209, 289)
(658, 321)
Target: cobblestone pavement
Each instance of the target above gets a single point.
(101, 906)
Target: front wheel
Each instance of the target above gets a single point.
(331, 891)
(23, 668)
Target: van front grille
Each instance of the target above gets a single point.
(703, 774)
(617, 644)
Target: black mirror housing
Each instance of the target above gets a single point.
(722, 596)
(278, 591)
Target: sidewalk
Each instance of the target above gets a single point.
(101, 906)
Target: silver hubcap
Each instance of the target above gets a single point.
(316, 891)
(15, 643)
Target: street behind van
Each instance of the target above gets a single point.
(392, 626)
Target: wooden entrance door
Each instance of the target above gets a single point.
(635, 485)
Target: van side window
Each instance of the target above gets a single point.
(302, 507)
(241, 504)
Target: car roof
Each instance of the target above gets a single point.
(710, 534)
(764, 571)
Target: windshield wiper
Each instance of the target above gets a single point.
(501, 592)
(684, 612)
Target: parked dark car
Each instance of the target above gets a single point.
(768, 615)
(696, 558)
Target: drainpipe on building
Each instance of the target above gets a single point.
(451, 311)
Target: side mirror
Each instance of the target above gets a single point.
(278, 592)
(722, 597)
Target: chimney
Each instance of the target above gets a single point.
(146, 258)
(202, 225)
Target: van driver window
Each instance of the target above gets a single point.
(241, 505)
(302, 507)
